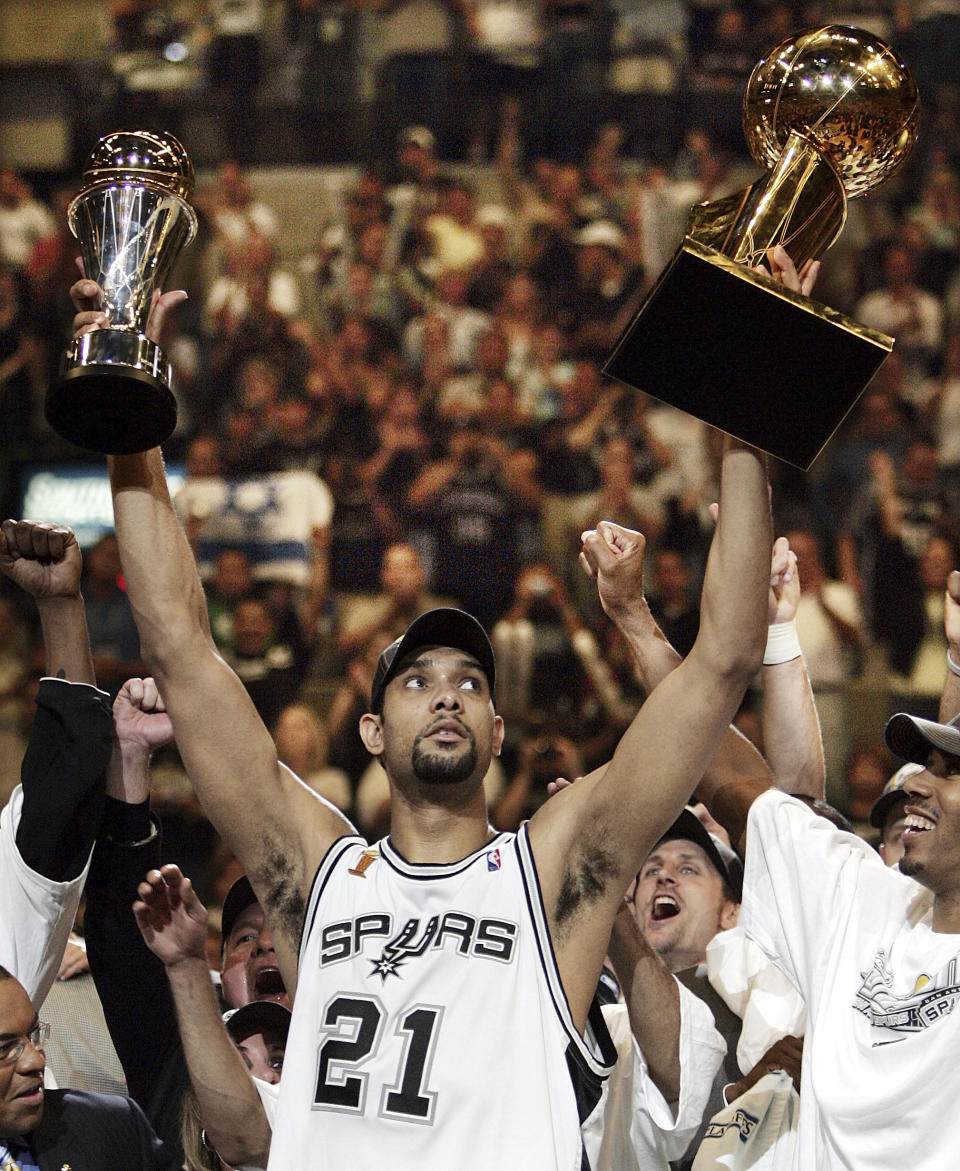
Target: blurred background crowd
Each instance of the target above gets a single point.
(423, 226)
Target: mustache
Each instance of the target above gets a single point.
(431, 728)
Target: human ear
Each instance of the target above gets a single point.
(371, 733)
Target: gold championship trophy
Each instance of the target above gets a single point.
(831, 113)
(131, 217)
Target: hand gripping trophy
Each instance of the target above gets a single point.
(831, 113)
(132, 217)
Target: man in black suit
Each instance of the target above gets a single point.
(48, 1130)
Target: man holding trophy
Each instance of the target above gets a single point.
(840, 111)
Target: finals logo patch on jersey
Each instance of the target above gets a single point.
(367, 858)
(929, 1000)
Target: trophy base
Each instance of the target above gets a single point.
(739, 351)
(113, 394)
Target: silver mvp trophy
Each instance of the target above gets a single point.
(132, 217)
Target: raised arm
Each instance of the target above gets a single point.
(173, 923)
(277, 827)
(130, 980)
(652, 997)
(589, 842)
(791, 727)
(49, 826)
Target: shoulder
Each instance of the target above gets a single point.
(101, 1107)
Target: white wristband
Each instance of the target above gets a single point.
(783, 644)
(952, 665)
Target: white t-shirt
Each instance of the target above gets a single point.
(633, 1128)
(879, 1060)
(36, 913)
(270, 517)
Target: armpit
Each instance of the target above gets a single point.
(588, 874)
(285, 904)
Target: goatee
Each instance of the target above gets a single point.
(436, 768)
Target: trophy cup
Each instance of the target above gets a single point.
(131, 218)
(832, 113)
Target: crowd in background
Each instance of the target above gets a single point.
(410, 406)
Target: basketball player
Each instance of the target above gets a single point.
(444, 977)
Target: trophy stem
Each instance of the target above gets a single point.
(799, 204)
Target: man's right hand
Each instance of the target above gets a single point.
(86, 297)
(784, 583)
(140, 718)
(614, 556)
(43, 559)
(172, 920)
(785, 1054)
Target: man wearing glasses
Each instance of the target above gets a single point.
(43, 1129)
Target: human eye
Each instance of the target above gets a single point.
(6, 1050)
(470, 683)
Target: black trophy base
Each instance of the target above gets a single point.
(745, 355)
(113, 394)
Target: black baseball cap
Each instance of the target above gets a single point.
(445, 626)
(690, 828)
(239, 897)
(912, 737)
(258, 1014)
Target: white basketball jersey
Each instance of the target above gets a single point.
(430, 1030)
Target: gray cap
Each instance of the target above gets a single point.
(893, 793)
(912, 737)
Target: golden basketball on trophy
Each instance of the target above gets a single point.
(131, 217)
(830, 114)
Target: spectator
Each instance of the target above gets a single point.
(37, 1124)
(21, 365)
(608, 288)
(301, 745)
(274, 518)
(455, 238)
(403, 596)
(918, 688)
(671, 599)
(272, 669)
(470, 508)
(888, 814)
(903, 309)
(24, 220)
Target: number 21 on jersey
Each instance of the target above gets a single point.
(356, 1027)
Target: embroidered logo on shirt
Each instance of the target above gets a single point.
(493, 859)
(930, 999)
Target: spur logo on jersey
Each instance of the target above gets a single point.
(467, 935)
(742, 1122)
(927, 1002)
